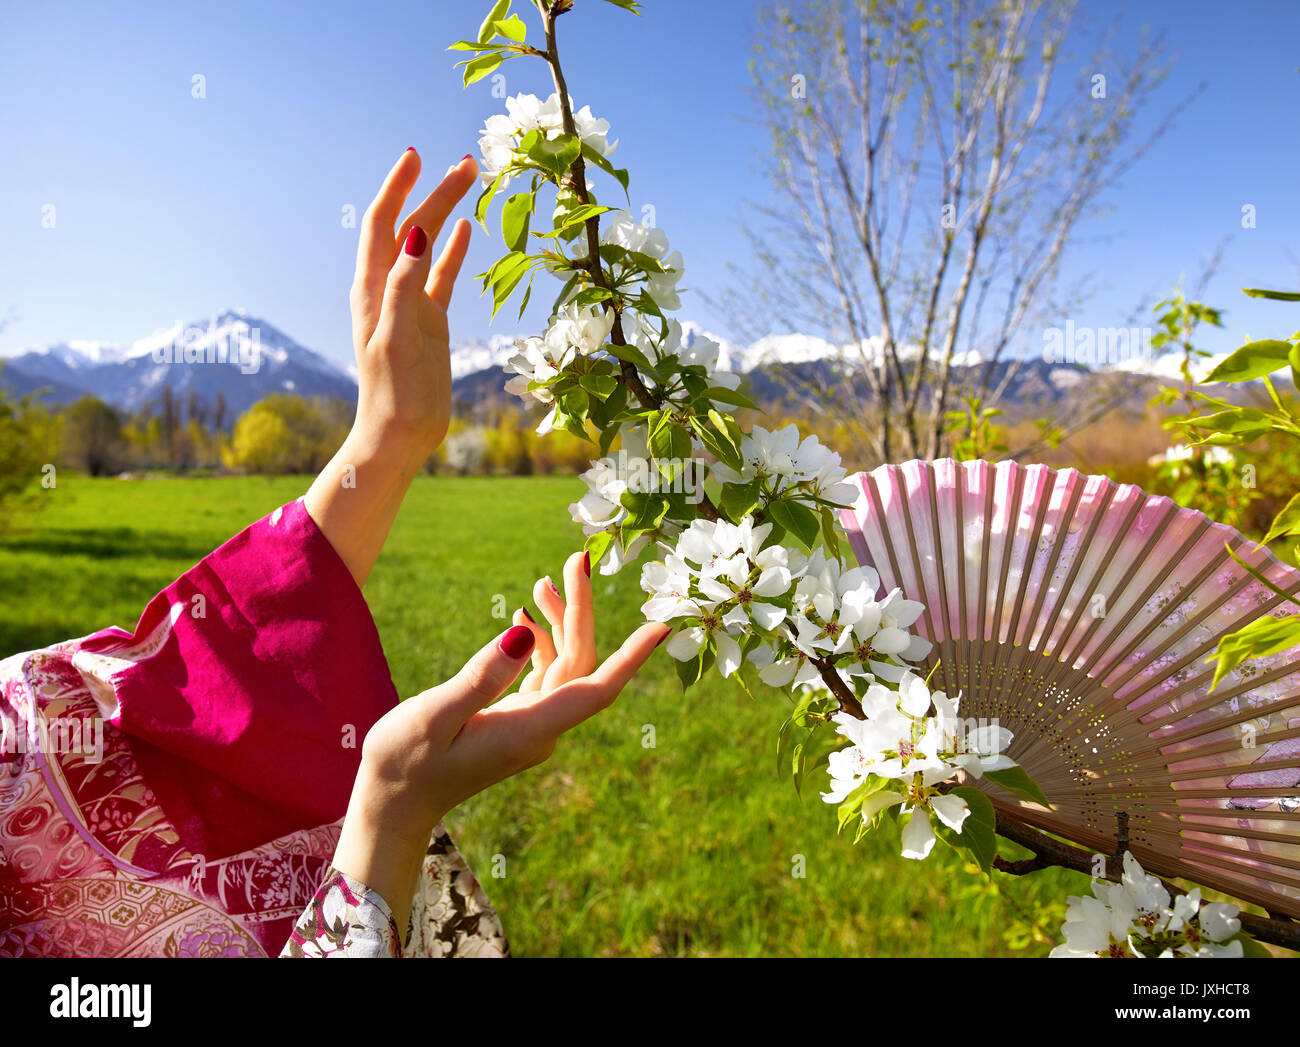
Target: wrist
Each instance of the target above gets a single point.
(382, 844)
(384, 809)
(396, 439)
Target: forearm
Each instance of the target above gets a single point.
(378, 850)
(355, 499)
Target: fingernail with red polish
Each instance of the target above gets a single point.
(524, 612)
(663, 638)
(410, 149)
(554, 589)
(586, 563)
(416, 242)
(517, 642)
(467, 156)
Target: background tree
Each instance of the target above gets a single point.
(284, 433)
(29, 437)
(929, 167)
(92, 437)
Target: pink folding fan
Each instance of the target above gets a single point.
(1080, 613)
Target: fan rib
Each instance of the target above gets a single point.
(1063, 661)
(1067, 516)
(1102, 669)
(1068, 585)
(1237, 832)
(1097, 623)
(936, 536)
(1216, 698)
(1158, 622)
(1229, 744)
(1002, 660)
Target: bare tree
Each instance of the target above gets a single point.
(930, 166)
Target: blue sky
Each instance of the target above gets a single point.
(169, 208)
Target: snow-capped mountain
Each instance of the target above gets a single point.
(242, 357)
(245, 358)
(470, 357)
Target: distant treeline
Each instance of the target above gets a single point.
(290, 434)
(282, 433)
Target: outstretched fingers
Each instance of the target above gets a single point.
(579, 654)
(571, 703)
(442, 280)
(376, 247)
(433, 210)
(549, 601)
(543, 651)
(484, 679)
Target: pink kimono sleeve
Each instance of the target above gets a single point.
(248, 686)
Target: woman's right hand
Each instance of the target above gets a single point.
(440, 747)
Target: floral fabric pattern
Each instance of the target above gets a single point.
(450, 915)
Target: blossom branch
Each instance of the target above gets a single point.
(577, 181)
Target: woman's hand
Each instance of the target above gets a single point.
(399, 329)
(438, 748)
(399, 304)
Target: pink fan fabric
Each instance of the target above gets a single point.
(171, 791)
(1133, 591)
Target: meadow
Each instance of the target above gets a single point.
(689, 847)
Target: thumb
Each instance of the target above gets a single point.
(407, 278)
(486, 676)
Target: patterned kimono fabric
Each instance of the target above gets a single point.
(179, 790)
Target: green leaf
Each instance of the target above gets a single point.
(689, 672)
(720, 424)
(1280, 296)
(1237, 421)
(477, 68)
(473, 45)
(796, 518)
(740, 500)
(598, 545)
(977, 834)
(488, 29)
(515, 216)
(1250, 949)
(556, 155)
(722, 395)
(813, 753)
(1286, 522)
(485, 201)
(830, 532)
(576, 403)
(592, 295)
(505, 277)
(644, 510)
(1262, 637)
(1018, 781)
(1253, 360)
(632, 355)
(512, 28)
(595, 157)
(626, 5)
(719, 447)
(599, 385)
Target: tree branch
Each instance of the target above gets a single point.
(1050, 852)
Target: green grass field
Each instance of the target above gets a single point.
(612, 848)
